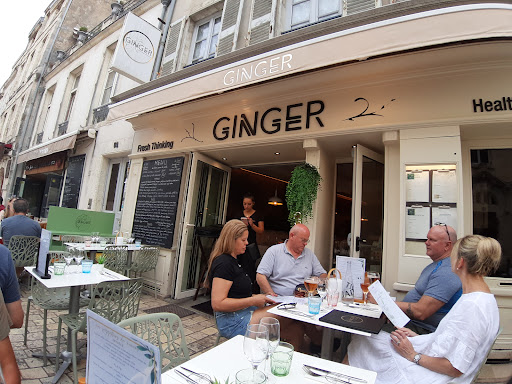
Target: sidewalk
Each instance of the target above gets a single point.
(200, 334)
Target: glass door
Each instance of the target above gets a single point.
(115, 190)
(205, 212)
(367, 207)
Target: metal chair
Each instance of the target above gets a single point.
(113, 300)
(164, 330)
(486, 356)
(24, 250)
(145, 261)
(116, 258)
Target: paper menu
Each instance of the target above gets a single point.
(116, 356)
(417, 222)
(444, 186)
(417, 186)
(388, 306)
(446, 215)
(357, 268)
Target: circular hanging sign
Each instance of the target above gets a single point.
(138, 47)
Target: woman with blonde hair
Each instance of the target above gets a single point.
(454, 352)
(232, 300)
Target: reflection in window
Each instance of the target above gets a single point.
(304, 12)
(206, 38)
(111, 194)
(492, 200)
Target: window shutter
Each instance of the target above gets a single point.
(172, 44)
(230, 23)
(356, 6)
(262, 21)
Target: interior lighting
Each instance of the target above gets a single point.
(275, 200)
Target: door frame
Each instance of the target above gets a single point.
(188, 222)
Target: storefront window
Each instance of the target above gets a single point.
(492, 200)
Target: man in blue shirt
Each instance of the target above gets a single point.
(10, 288)
(19, 224)
(437, 288)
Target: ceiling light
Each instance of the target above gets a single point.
(277, 153)
(224, 158)
(275, 200)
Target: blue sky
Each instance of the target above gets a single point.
(16, 20)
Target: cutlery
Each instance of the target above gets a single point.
(296, 312)
(199, 378)
(110, 275)
(326, 372)
(188, 379)
(203, 376)
(328, 376)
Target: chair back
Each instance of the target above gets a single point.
(52, 299)
(24, 250)
(482, 363)
(116, 300)
(146, 259)
(164, 330)
(116, 258)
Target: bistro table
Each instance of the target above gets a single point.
(228, 358)
(300, 313)
(74, 279)
(98, 247)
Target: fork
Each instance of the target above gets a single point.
(331, 378)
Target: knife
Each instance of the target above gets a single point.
(189, 380)
(337, 374)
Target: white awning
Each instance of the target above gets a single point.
(58, 144)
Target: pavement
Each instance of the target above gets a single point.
(200, 333)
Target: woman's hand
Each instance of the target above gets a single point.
(250, 223)
(261, 299)
(401, 343)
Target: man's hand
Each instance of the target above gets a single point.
(264, 284)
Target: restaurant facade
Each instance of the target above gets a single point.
(408, 120)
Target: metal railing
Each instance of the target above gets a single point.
(100, 113)
(62, 128)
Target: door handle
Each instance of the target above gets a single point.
(190, 225)
(358, 242)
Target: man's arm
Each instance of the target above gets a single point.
(422, 309)
(264, 284)
(8, 363)
(16, 314)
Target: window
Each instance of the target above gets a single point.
(110, 87)
(72, 97)
(206, 36)
(492, 200)
(304, 12)
(45, 111)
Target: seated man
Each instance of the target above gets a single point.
(284, 266)
(10, 370)
(19, 223)
(10, 288)
(437, 288)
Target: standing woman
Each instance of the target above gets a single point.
(453, 353)
(255, 225)
(232, 300)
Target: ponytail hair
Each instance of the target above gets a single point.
(481, 254)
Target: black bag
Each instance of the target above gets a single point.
(253, 251)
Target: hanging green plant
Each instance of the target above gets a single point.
(301, 192)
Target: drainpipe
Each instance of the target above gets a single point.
(166, 17)
(35, 103)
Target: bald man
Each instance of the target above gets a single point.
(284, 266)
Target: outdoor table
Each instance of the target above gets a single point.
(328, 334)
(97, 247)
(228, 358)
(74, 279)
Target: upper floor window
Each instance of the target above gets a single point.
(72, 96)
(206, 36)
(305, 12)
(110, 87)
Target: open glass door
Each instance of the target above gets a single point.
(367, 207)
(205, 212)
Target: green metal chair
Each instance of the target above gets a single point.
(145, 261)
(116, 258)
(24, 250)
(165, 331)
(113, 300)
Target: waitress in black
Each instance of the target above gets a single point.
(255, 225)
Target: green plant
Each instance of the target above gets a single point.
(217, 381)
(83, 29)
(302, 191)
(100, 258)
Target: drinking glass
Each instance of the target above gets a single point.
(321, 288)
(79, 256)
(311, 283)
(68, 258)
(256, 344)
(274, 332)
(364, 287)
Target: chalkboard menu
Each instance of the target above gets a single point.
(157, 201)
(73, 181)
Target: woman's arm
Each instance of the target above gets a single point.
(222, 303)
(404, 347)
(260, 228)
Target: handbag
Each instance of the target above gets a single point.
(253, 251)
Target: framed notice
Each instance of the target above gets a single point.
(444, 186)
(417, 222)
(116, 356)
(417, 184)
(446, 215)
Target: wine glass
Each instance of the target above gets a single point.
(311, 283)
(364, 286)
(321, 288)
(68, 258)
(256, 344)
(273, 327)
(79, 256)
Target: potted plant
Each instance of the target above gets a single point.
(301, 192)
(82, 34)
(100, 259)
(117, 8)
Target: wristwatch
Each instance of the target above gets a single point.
(417, 358)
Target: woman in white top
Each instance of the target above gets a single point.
(453, 353)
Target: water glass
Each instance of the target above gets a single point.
(138, 243)
(332, 298)
(86, 266)
(314, 304)
(59, 267)
(249, 376)
(281, 359)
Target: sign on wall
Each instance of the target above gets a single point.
(136, 49)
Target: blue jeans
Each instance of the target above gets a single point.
(231, 324)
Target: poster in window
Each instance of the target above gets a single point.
(417, 222)
(444, 186)
(445, 215)
(417, 186)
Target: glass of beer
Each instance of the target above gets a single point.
(364, 286)
(311, 283)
